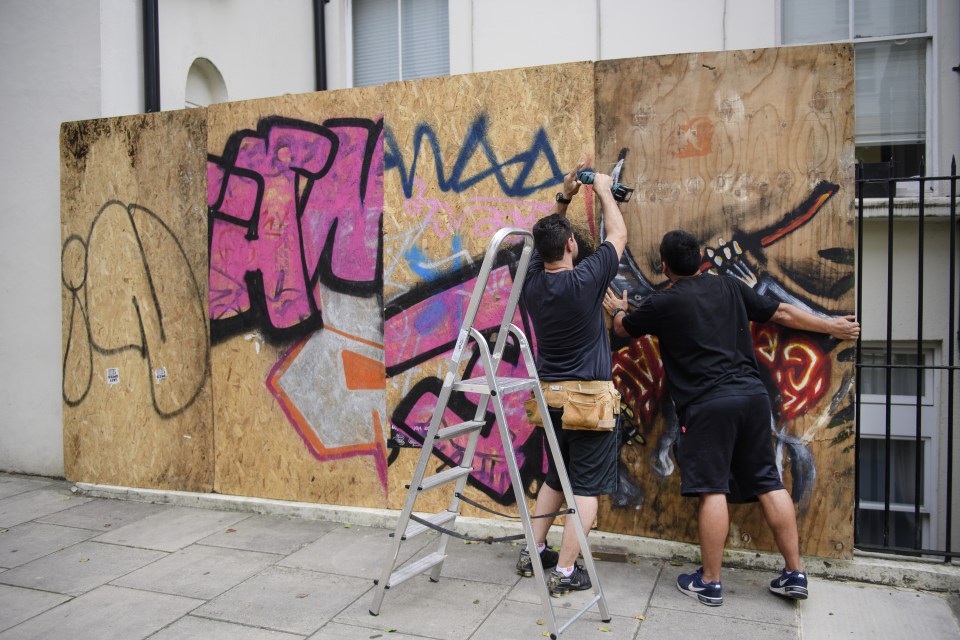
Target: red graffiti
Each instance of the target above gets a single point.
(638, 375)
(800, 369)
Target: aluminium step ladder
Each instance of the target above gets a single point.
(491, 389)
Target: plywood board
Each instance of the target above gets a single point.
(295, 303)
(136, 377)
(464, 157)
(752, 152)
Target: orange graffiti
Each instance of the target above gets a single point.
(695, 138)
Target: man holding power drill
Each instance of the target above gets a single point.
(564, 297)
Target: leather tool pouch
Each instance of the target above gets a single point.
(587, 405)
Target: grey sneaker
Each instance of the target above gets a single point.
(559, 584)
(548, 558)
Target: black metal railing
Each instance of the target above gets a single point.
(877, 534)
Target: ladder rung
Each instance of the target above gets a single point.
(439, 519)
(459, 429)
(415, 568)
(444, 477)
(506, 385)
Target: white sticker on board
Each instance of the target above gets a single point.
(113, 375)
(160, 374)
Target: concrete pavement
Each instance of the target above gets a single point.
(88, 561)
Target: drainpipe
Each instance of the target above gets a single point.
(319, 44)
(151, 57)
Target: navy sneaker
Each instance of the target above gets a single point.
(792, 584)
(708, 593)
(548, 558)
(559, 584)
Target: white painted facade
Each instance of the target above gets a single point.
(78, 59)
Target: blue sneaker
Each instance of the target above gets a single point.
(708, 593)
(792, 584)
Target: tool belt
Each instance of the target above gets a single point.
(589, 405)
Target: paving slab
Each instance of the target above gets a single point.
(172, 529)
(270, 534)
(524, 621)
(746, 596)
(103, 515)
(286, 599)
(30, 505)
(337, 631)
(447, 610)
(191, 628)
(80, 568)
(198, 571)
(844, 610)
(352, 551)
(31, 540)
(493, 563)
(106, 613)
(12, 485)
(661, 623)
(21, 604)
(627, 588)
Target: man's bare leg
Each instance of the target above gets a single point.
(714, 521)
(781, 517)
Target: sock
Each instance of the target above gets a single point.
(541, 546)
(566, 571)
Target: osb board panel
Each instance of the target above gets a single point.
(136, 383)
(295, 297)
(464, 157)
(752, 152)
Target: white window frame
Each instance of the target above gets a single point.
(903, 427)
(931, 141)
(348, 31)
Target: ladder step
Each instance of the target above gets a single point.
(437, 479)
(415, 568)
(439, 519)
(506, 385)
(457, 430)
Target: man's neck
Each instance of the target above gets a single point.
(564, 264)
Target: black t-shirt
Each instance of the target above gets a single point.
(704, 333)
(567, 314)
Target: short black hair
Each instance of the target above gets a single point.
(681, 252)
(550, 235)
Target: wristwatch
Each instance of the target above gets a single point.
(563, 200)
(616, 311)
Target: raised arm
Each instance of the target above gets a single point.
(840, 327)
(613, 224)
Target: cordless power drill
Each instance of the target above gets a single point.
(621, 192)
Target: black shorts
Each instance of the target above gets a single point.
(590, 458)
(725, 446)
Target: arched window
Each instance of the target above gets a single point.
(205, 85)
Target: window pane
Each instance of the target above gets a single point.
(376, 45)
(426, 39)
(903, 382)
(814, 21)
(890, 92)
(903, 464)
(889, 17)
(902, 528)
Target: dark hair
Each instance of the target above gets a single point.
(681, 252)
(550, 235)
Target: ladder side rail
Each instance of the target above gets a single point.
(514, 299)
(540, 577)
(568, 495)
(426, 450)
(481, 284)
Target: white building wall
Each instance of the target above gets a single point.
(51, 73)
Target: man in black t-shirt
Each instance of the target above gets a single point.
(702, 322)
(564, 298)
